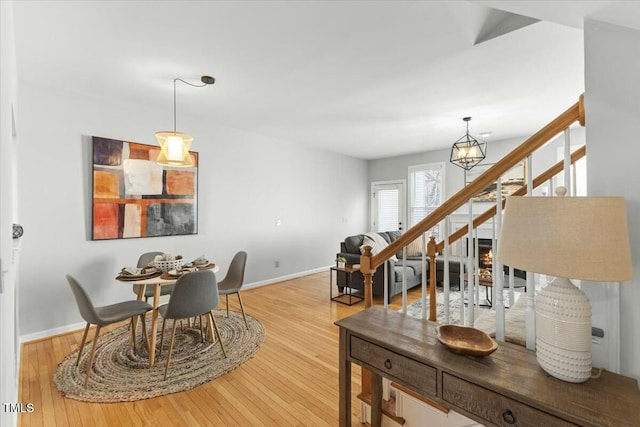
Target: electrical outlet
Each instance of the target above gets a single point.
(276, 264)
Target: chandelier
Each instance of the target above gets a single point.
(468, 151)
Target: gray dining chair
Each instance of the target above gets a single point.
(144, 261)
(106, 315)
(234, 280)
(194, 295)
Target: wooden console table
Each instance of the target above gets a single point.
(506, 388)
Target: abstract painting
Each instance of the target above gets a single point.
(133, 196)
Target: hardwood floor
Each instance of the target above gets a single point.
(291, 381)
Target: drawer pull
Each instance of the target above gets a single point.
(387, 364)
(508, 417)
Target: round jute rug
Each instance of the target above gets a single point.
(120, 375)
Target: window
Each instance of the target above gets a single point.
(425, 193)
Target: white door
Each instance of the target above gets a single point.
(387, 203)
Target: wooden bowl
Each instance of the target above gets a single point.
(466, 340)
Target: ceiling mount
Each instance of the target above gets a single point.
(208, 80)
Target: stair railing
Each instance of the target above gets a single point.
(478, 221)
(491, 212)
(369, 262)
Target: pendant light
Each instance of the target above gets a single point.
(174, 145)
(468, 151)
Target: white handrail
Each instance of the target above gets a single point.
(424, 277)
(497, 275)
(567, 162)
(470, 271)
(446, 280)
(404, 279)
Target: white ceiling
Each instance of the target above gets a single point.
(369, 79)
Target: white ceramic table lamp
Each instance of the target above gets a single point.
(582, 238)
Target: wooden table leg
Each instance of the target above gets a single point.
(154, 324)
(376, 400)
(344, 366)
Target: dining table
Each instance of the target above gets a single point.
(157, 282)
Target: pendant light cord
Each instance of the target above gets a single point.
(206, 80)
(174, 106)
(467, 120)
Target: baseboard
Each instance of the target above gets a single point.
(76, 326)
(52, 332)
(285, 278)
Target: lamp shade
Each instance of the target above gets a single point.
(582, 238)
(174, 149)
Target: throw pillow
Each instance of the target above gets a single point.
(376, 247)
(415, 248)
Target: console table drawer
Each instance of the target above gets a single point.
(493, 407)
(405, 370)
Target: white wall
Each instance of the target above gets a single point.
(612, 105)
(9, 350)
(246, 183)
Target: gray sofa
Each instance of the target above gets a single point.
(350, 250)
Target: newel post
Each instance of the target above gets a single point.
(431, 251)
(367, 273)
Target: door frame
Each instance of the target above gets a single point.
(402, 203)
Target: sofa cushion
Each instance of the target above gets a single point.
(393, 236)
(413, 267)
(390, 237)
(416, 266)
(353, 243)
(398, 273)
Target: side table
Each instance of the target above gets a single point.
(347, 297)
(487, 283)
